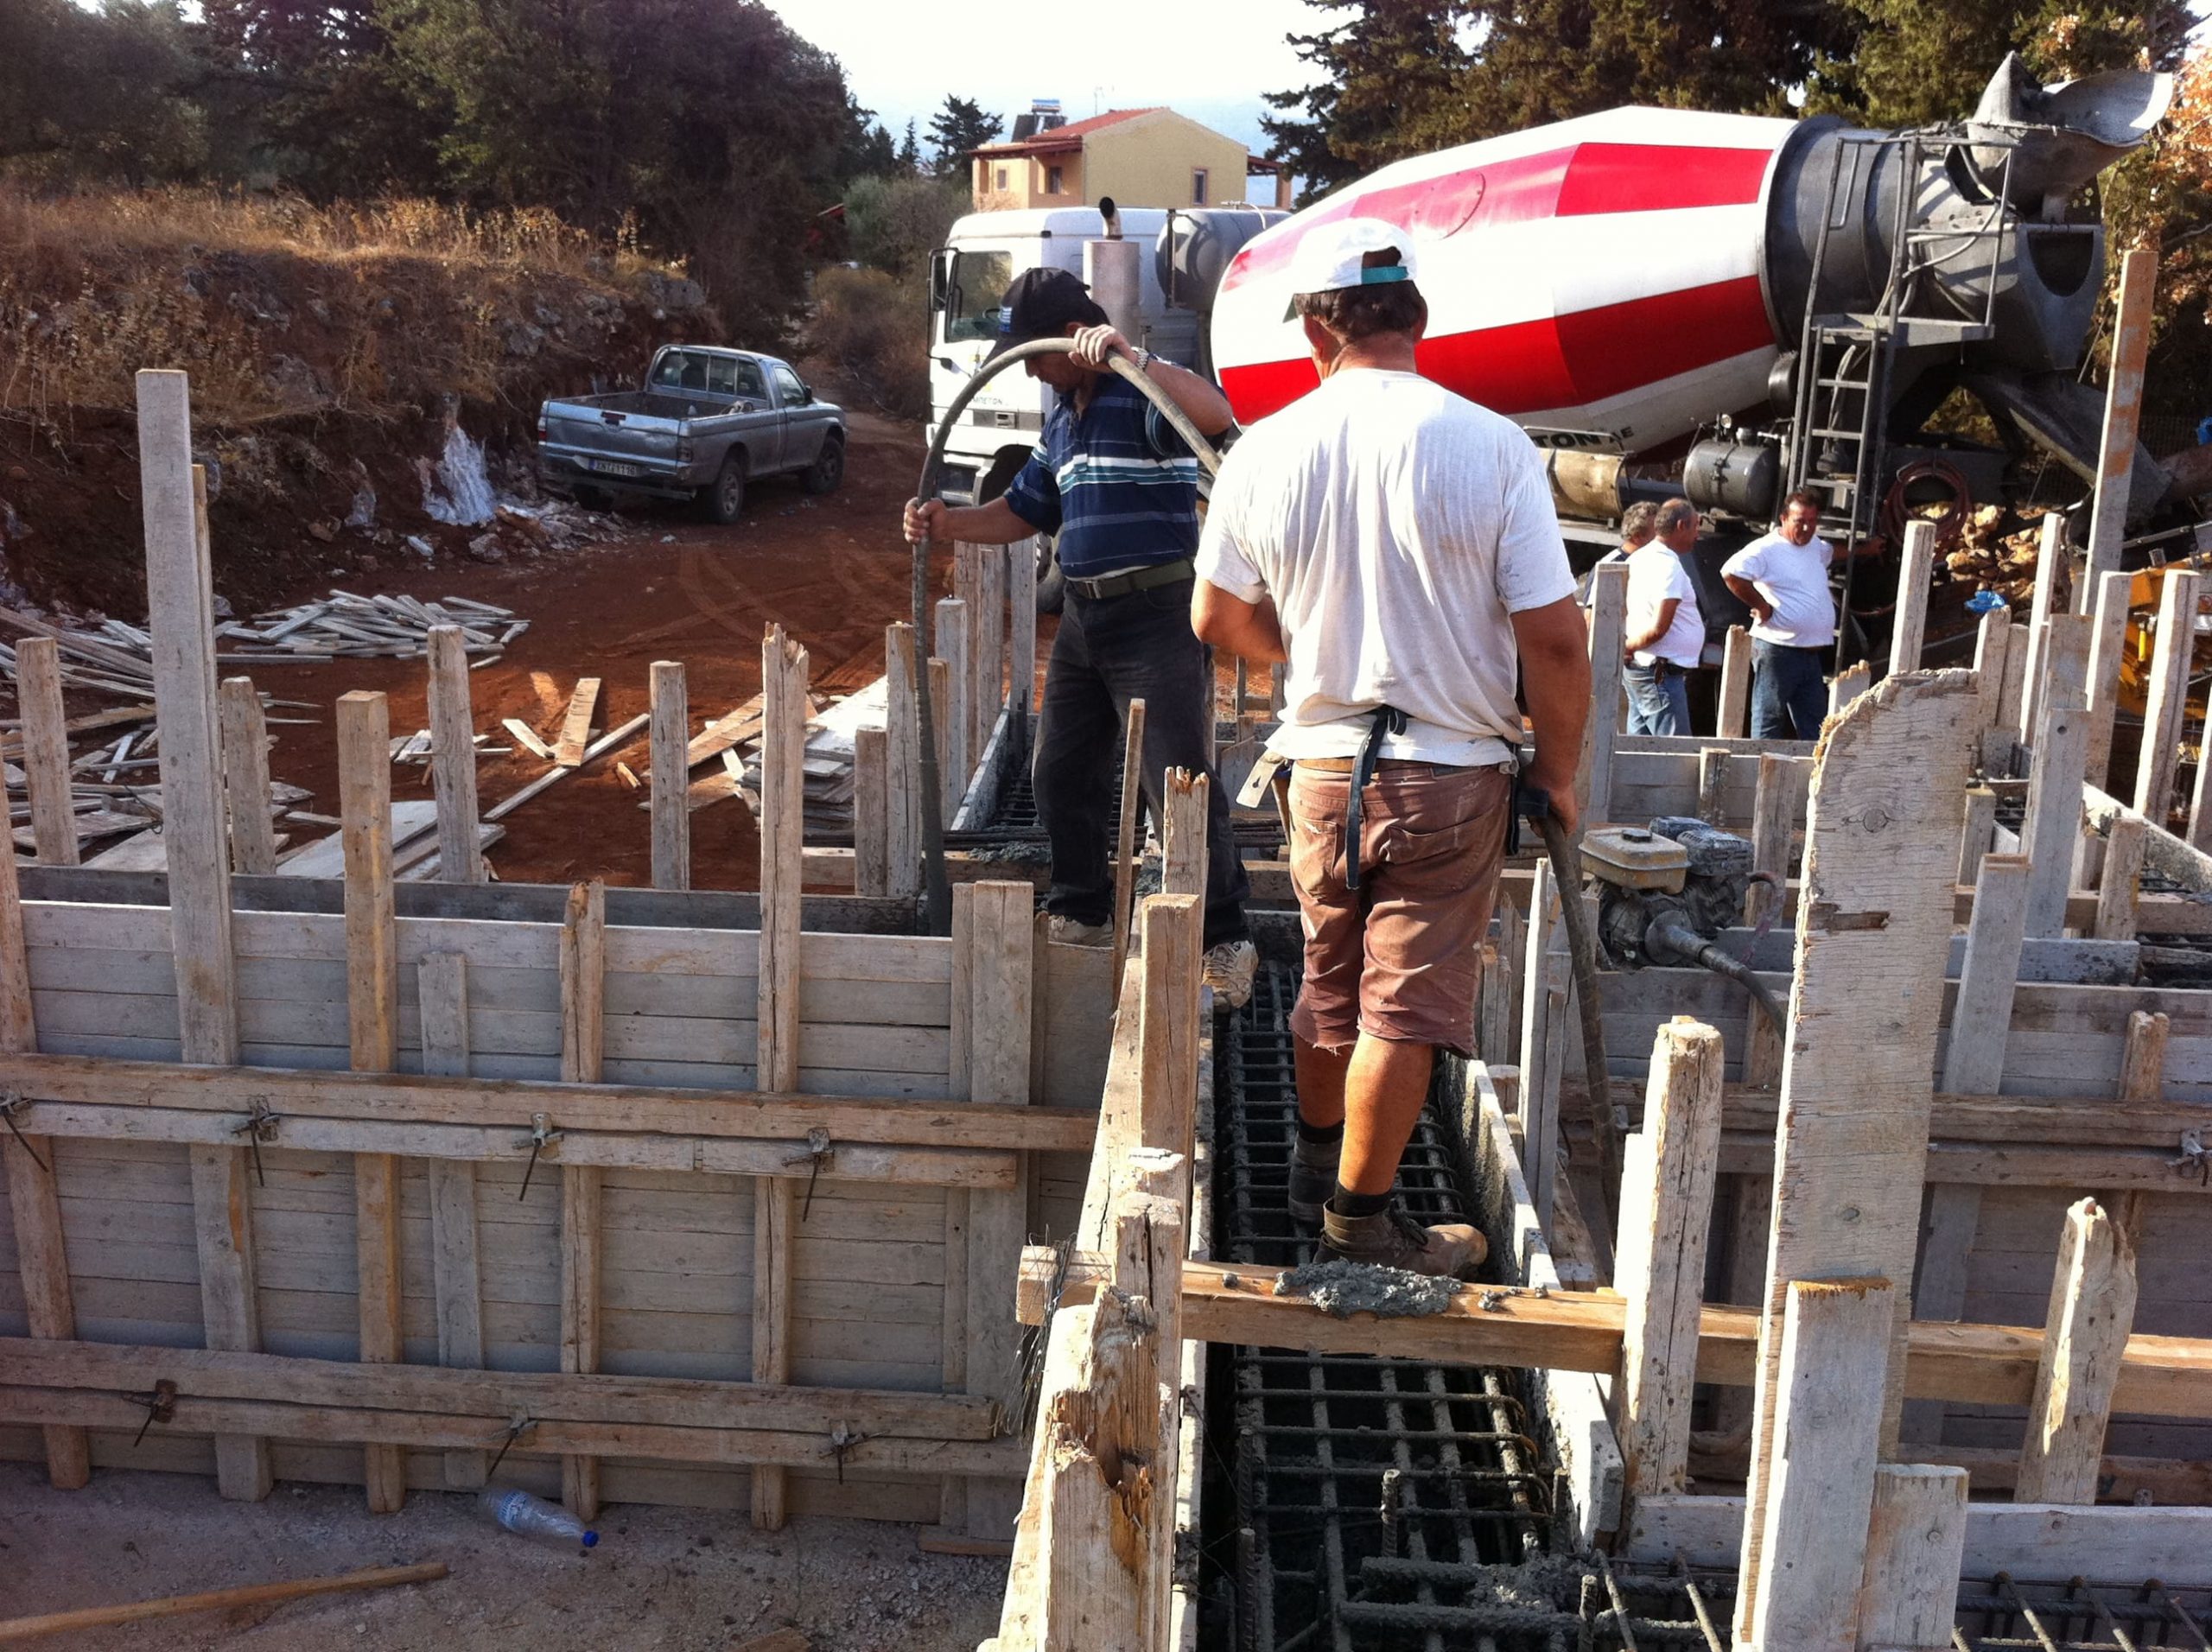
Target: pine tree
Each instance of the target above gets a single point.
(1388, 87)
(910, 149)
(960, 126)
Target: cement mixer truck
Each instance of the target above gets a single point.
(1734, 307)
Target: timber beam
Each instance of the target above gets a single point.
(1580, 1330)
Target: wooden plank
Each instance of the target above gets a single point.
(1825, 1432)
(1916, 571)
(1125, 837)
(1712, 784)
(1545, 1014)
(2167, 697)
(1666, 1212)
(1099, 1496)
(2053, 827)
(1873, 933)
(1183, 834)
(372, 1024)
(2120, 883)
(1735, 692)
(2051, 561)
(2143, 1060)
(245, 777)
(772, 1326)
(41, 1254)
(1608, 631)
(872, 809)
(180, 608)
(576, 723)
(2092, 1311)
(2107, 647)
(903, 765)
(1992, 642)
(46, 750)
(1172, 929)
(2131, 344)
(1021, 651)
(1777, 805)
(998, 989)
(456, 1277)
(526, 737)
(1916, 1542)
(453, 757)
(584, 1036)
(671, 818)
(1974, 841)
(953, 647)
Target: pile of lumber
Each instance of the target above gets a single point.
(723, 759)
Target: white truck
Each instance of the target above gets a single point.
(1180, 256)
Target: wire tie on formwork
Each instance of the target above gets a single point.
(258, 1127)
(520, 1424)
(816, 1154)
(10, 1105)
(161, 1407)
(843, 1437)
(2194, 1156)
(541, 1136)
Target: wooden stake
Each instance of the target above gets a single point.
(1735, 684)
(2092, 1311)
(258, 1594)
(1172, 929)
(441, 988)
(453, 758)
(672, 815)
(1781, 785)
(2053, 826)
(2118, 886)
(2131, 345)
(372, 1023)
(1021, 657)
(1810, 1561)
(2167, 696)
(1712, 784)
(1666, 1209)
(1125, 838)
(956, 648)
(1881, 837)
(902, 763)
(772, 1328)
(46, 750)
(1608, 631)
(2143, 1059)
(1915, 573)
(1183, 838)
(1915, 1548)
(583, 1035)
(2050, 560)
(1992, 642)
(576, 724)
(872, 807)
(2108, 644)
(1979, 831)
(245, 776)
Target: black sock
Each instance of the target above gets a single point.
(1345, 1203)
(1321, 1135)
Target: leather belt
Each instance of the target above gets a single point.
(1137, 579)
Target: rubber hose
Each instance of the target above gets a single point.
(937, 887)
(1686, 942)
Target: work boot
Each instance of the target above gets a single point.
(1313, 1178)
(1070, 932)
(1229, 970)
(1393, 1239)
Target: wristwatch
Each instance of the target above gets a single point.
(1143, 358)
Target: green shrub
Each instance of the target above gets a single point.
(874, 330)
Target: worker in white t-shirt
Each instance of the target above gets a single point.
(1397, 546)
(1782, 577)
(1666, 633)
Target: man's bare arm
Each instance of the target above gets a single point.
(1748, 594)
(1555, 645)
(1248, 630)
(994, 523)
(1661, 626)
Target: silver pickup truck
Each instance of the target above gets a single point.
(708, 421)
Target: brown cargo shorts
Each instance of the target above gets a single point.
(1399, 957)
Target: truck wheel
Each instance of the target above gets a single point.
(828, 468)
(725, 501)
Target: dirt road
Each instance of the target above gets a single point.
(833, 571)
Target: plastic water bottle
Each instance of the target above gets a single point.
(535, 1517)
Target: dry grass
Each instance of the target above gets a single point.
(276, 306)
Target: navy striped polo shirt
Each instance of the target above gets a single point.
(1117, 484)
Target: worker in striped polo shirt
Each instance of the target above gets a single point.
(1120, 489)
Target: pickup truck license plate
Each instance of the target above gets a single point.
(613, 467)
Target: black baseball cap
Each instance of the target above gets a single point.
(1040, 304)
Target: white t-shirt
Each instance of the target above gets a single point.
(1794, 579)
(1654, 573)
(1396, 526)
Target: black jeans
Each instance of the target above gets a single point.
(1139, 646)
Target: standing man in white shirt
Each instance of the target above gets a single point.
(1397, 546)
(1666, 633)
(1782, 578)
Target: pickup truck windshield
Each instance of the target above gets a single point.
(979, 281)
(700, 370)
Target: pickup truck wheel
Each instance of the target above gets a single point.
(725, 501)
(828, 468)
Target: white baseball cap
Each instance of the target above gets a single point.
(1332, 256)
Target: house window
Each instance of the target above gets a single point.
(1198, 187)
(1051, 181)
(998, 178)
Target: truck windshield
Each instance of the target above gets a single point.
(971, 299)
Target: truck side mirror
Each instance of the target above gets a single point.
(805, 395)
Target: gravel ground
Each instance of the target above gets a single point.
(673, 1578)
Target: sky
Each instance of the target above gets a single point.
(1206, 59)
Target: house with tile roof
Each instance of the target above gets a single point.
(1140, 157)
